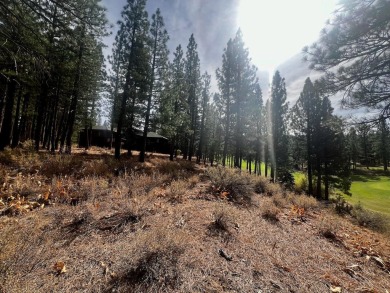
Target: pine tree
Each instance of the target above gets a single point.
(206, 80)
(237, 84)
(192, 71)
(279, 142)
(224, 100)
(384, 134)
(355, 42)
(134, 30)
(174, 107)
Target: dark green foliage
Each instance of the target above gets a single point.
(278, 128)
(353, 52)
(327, 155)
(158, 66)
(51, 69)
(240, 103)
(192, 79)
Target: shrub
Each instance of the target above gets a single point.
(370, 219)
(107, 166)
(176, 191)
(286, 178)
(328, 227)
(280, 200)
(304, 201)
(223, 222)
(341, 206)
(61, 165)
(301, 184)
(6, 157)
(187, 165)
(236, 185)
(262, 185)
(269, 211)
(193, 180)
(3, 175)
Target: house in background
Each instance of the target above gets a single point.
(102, 136)
(155, 143)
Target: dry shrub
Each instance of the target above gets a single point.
(224, 223)
(63, 190)
(3, 175)
(280, 200)
(69, 191)
(61, 165)
(187, 165)
(269, 211)
(140, 184)
(23, 186)
(92, 188)
(6, 157)
(177, 190)
(193, 180)
(303, 201)
(262, 185)
(370, 219)
(237, 185)
(20, 158)
(328, 227)
(173, 169)
(153, 265)
(102, 167)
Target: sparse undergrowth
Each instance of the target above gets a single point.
(154, 227)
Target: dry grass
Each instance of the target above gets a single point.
(148, 231)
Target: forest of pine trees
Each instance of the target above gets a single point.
(53, 83)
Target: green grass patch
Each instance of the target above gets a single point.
(372, 189)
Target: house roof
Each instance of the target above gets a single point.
(155, 135)
(136, 131)
(101, 127)
(139, 132)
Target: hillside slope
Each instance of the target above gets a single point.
(104, 226)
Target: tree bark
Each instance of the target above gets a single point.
(6, 127)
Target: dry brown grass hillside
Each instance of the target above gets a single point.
(88, 223)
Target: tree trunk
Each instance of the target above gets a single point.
(319, 195)
(6, 127)
(16, 127)
(42, 100)
(149, 104)
(75, 96)
(23, 119)
(326, 181)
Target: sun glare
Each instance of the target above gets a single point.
(275, 30)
